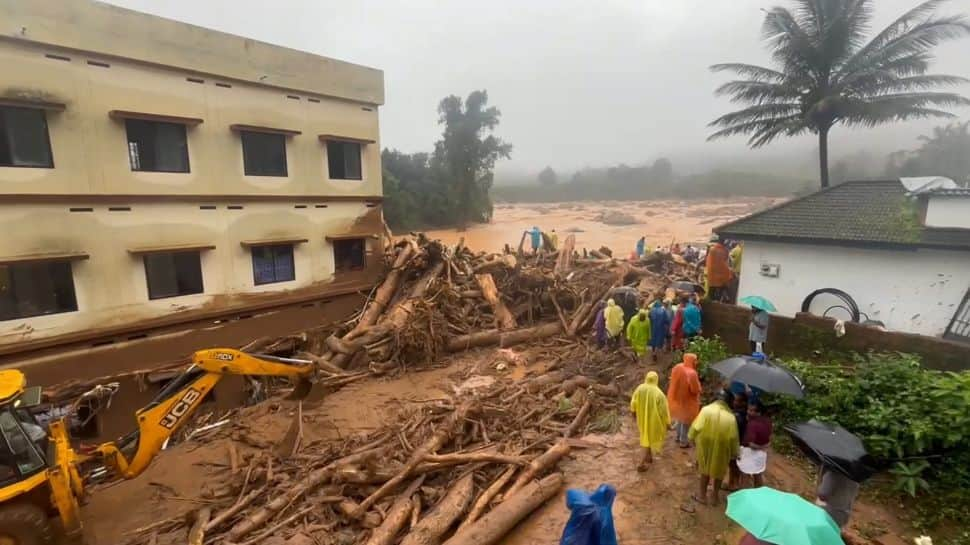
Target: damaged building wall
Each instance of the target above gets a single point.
(96, 207)
(918, 291)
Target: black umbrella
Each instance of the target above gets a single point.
(833, 446)
(761, 374)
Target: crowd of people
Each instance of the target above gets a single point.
(730, 435)
(731, 438)
(663, 326)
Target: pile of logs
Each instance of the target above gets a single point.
(436, 299)
(462, 471)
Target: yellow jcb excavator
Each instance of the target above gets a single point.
(39, 476)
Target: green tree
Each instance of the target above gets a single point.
(548, 177)
(466, 154)
(946, 152)
(827, 73)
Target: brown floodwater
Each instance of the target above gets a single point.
(662, 222)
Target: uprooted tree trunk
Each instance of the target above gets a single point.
(393, 320)
(503, 318)
(316, 478)
(503, 338)
(487, 495)
(500, 520)
(397, 517)
(543, 462)
(438, 440)
(432, 526)
(564, 263)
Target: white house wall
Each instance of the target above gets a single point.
(948, 212)
(915, 291)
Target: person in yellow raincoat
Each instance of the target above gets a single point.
(715, 435)
(638, 332)
(649, 404)
(613, 315)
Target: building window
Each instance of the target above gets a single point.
(171, 274)
(35, 289)
(264, 154)
(273, 264)
(343, 159)
(24, 141)
(348, 254)
(155, 146)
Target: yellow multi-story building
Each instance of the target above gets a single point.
(154, 172)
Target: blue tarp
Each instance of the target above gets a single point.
(591, 520)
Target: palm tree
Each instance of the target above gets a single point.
(828, 74)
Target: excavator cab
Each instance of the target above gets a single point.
(37, 473)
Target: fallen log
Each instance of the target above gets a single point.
(503, 318)
(197, 533)
(386, 290)
(503, 338)
(500, 520)
(316, 478)
(475, 457)
(433, 525)
(438, 440)
(481, 504)
(397, 516)
(579, 420)
(393, 320)
(564, 263)
(543, 462)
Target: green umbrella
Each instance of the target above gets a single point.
(782, 518)
(758, 301)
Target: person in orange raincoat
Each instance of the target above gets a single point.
(684, 396)
(718, 270)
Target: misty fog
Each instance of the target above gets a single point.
(578, 83)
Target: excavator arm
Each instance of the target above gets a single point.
(180, 398)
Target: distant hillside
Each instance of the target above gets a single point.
(632, 183)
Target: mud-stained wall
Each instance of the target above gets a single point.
(73, 60)
(111, 286)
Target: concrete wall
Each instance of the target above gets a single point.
(91, 152)
(805, 335)
(111, 286)
(916, 291)
(93, 59)
(948, 211)
(84, 25)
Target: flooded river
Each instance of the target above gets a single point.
(616, 225)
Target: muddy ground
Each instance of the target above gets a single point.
(614, 224)
(648, 508)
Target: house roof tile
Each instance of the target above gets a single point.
(864, 213)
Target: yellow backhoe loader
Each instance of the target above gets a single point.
(39, 476)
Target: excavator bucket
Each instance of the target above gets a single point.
(308, 390)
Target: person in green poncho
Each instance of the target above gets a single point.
(638, 332)
(715, 435)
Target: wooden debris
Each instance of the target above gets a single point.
(499, 521)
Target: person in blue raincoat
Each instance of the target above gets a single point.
(536, 238)
(641, 247)
(659, 328)
(591, 518)
(692, 318)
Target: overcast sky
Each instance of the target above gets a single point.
(578, 82)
